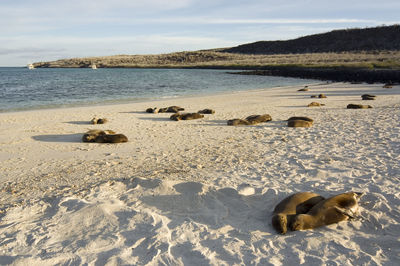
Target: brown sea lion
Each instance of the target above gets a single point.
(322, 95)
(207, 111)
(91, 135)
(255, 119)
(313, 104)
(99, 121)
(163, 110)
(238, 122)
(358, 106)
(388, 86)
(332, 210)
(187, 116)
(175, 117)
(174, 109)
(285, 212)
(111, 138)
(299, 123)
(191, 116)
(368, 97)
(154, 110)
(304, 89)
(301, 118)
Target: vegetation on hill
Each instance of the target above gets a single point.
(368, 39)
(370, 48)
(213, 59)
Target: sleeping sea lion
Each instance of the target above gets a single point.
(154, 110)
(255, 119)
(299, 123)
(304, 89)
(305, 118)
(285, 212)
(174, 109)
(388, 86)
(187, 116)
(238, 122)
(91, 135)
(207, 111)
(313, 104)
(99, 121)
(358, 106)
(368, 97)
(191, 116)
(175, 117)
(111, 138)
(339, 208)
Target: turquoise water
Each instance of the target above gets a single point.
(24, 89)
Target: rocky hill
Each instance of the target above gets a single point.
(358, 48)
(368, 39)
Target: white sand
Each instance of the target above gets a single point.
(200, 192)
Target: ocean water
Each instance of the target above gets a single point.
(24, 89)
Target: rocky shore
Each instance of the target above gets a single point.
(343, 74)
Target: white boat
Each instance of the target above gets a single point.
(31, 66)
(93, 66)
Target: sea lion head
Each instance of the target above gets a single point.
(279, 222)
(299, 222)
(176, 117)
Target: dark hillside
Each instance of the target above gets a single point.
(368, 39)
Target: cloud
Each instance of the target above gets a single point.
(206, 20)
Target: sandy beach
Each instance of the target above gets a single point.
(200, 192)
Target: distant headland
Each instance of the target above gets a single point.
(354, 50)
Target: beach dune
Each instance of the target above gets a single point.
(200, 192)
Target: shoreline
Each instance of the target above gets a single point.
(199, 191)
(333, 74)
(147, 100)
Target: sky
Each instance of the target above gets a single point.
(46, 30)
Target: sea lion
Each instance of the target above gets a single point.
(191, 116)
(96, 120)
(163, 110)
(255, 119)
(188, 116)
(322, 95)
(285, 212)
(111, 138)
(339, 208)
(301, 118)
(368, 97)
(313, 104)
(175, 117)
(299, 123)
(388, 86)
(304, 89)
(358, 106)
(237, 122)
(154, 110)
(91, 135)
(174, 109)
(207, 111)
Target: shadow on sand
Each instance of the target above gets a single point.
(76, 138)
(79, 122)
